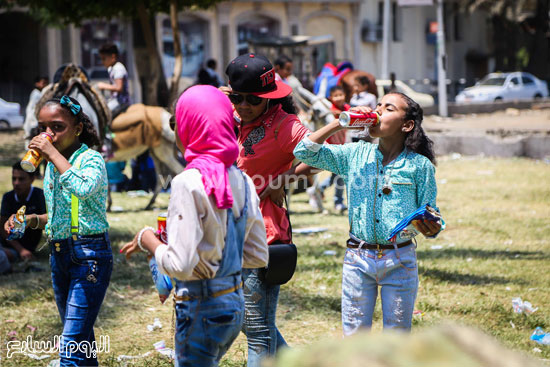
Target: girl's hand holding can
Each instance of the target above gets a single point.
(361, 109)
(43, 146)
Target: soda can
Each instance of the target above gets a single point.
(349, 119)
(161, 227)
(32, 158)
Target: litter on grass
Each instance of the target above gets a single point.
(540, 336)
(309, 230)
(522, 306)
(156, 325)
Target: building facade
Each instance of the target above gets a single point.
(354, 28)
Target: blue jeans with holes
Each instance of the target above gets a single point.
(206, 326)
(81, 271)
(260, 300)
(396, 273)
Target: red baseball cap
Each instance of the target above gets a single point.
(254, 74)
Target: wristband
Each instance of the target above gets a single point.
(141, 235)
(37, 222)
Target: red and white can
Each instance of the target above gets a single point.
(349, 119)
(161, 229)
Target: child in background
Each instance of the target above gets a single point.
(385, 183)
(361, 96)
(338, 99)
(23, 193)
(118, 76)
(81, 258)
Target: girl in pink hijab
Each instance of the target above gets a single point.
(214, 229)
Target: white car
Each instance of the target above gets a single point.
(10, 115)
(423, 99)
(505, 87)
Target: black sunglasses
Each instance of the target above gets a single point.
(251, 99)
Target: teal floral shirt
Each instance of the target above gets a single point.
(373, 214)
(88, 184)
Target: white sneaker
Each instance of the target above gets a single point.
(341, 208)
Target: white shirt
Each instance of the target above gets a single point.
(197, 228)
(363, 99)
(30, 117)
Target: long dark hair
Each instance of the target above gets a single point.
(416, 139)
(88, 135)
(287, 104)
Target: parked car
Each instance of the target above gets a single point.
(423, 99)
(505, 87)
(10, 115)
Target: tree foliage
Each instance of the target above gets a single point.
(521, 33)
(64, 12)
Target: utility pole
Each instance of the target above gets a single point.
(386, 40)
(441, 62)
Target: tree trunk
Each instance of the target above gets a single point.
(155, 88)
(178, 65)
(539, 55)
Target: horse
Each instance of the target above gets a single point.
(138, 129)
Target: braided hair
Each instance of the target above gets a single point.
(416, 139)
(89, 135)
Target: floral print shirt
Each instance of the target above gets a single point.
(88, 183)
(372, 213)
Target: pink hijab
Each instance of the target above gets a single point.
(205, 127)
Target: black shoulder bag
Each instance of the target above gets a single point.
(282, 260)
(282, 256)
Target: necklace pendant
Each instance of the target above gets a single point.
(386, 189)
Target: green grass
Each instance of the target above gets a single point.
(496, 247)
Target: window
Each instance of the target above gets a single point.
(457, 22)
(527, 80)
(193, 38)
(514, 81)
(395, 20)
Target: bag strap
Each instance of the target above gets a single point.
(288, 217)
(75, 201)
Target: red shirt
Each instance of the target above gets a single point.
(340, 136)
(264, 155)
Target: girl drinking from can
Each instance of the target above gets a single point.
(75, 188)
(385, 183)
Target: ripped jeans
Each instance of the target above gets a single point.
(397, 276)
(260, 305)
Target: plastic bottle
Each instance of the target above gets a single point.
(162, 281)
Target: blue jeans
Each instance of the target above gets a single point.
(81, 271)
(397, 275)
(338, 187)
(207, 326)
(260, 301)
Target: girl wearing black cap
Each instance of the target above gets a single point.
(268, 130)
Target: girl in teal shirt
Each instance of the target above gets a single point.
(385, 182)
(75, 187)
